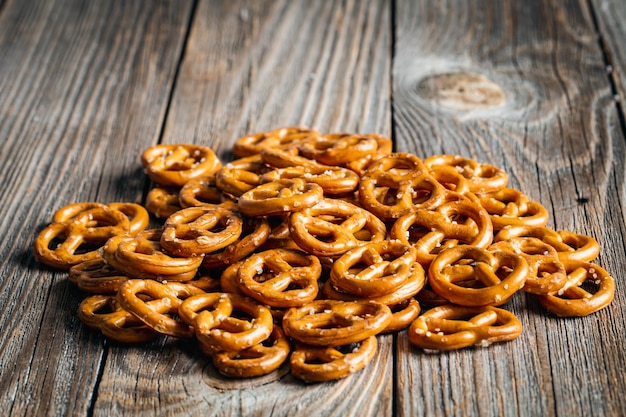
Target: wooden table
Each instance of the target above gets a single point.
(535, 87)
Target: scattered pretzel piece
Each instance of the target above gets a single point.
(176, 164)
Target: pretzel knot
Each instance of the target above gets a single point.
(336, 323)
(200, 230)
(177, 164)
(450, 327)
(333, 180)
(162, 202)
(510, 207)
(373, 269)
(280, 196)
(317, 364)
(203, 191)
(282, 138)
(471, 276)
(332, 227)
(280, 278)
(97, 277)
(339, 148)
(483, 178)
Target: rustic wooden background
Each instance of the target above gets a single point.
(535, 87)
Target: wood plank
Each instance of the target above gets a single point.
(84, 87)
(558, 136)
(253, 66)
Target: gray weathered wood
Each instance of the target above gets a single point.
(83, 87)
(557, 134)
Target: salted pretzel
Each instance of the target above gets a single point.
(284, 137)
(338, 148)
(260, 359)
(137, 215)
(61, 245)
(373, 269)
(318, 364)
(449, 225)
(451, 179)
(280, 278)
(336, 323)
(205, 311)
(473, 277)
(203, 192)
(162, 202)
(277, 158)
(403, 315)
(143, 257)
(249, 324)
(483, 178)
(104, 313)
(595, 290)
(241, 175)
(199, 230)
(161, 312)
(96, 277)
(511, 207)
(280, 196)
(333, 180)
(450, 327)
(332, 227)
(395, 168)
(176, 164)
(229, 279)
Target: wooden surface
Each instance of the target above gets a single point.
(533, 87)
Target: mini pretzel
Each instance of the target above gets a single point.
(70, 211)
(451, 179)
(577, 301)
(499, 274)
(332, 227)
(333, 180)
(281, 196)
(510, 207)
(403, 315)
(137, 215)
(318, 364)
(249, 324)
(336, 323)
(279, 138)
(277, 158)
(374, 269)
(162, 202)
(203, 192)
(395, 168)
(177, 164)
(158, 314)
(339, 148)
(260, 359)
(205, 311)
(200, 230)
(96, 277)
(483, 178)
(240, 176)
(280, 278)
(450, 327)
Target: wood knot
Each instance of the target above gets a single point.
(461, 91)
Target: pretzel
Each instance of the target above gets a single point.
(96, 277)
(229, 279)
(577, 301)
(338, 148)
(203, 192)
(277, 158)
(280, 278)
(79, 238)
(374, 269)
(498, 275)
(254, 233)
(451, 224)
(332, 227)
(200, 230)
(205, 281)
(510, 207)
(395, 168)
(241, 175)
(160, 313)
(205, 311)
(177, 164)
(336, 323)
(103, 312)
(143, 257)
(70, 211)
(451, 179)
(318, 364)
(137, 215)
(260, 359)
(162, 202)
(333, 180)
(281, 196)
(285, 137)
(483, 178)
(450, 327)
(252, 324)
(403, 315)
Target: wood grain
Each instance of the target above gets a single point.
(84, 86)
(558, 136)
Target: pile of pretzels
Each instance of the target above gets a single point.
(308, 245)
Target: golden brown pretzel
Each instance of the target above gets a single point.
(137, 215)
(338, 148)
(199, 230)
(284, 137)
(374, 269)
(97, 277)
(333, 180)
(70, 211)
(318, 364)
(577, 301)
(280, 196)
(510, 207)
(451, 179)
(162, 202)
(205, 311)
(277, 158)
(332, 227)
(260, 359)
(450, 327)
(395, 168)
(483, 178)
(336, 323)
(497, 275)
(403, 314)
(203, 192)
(280, 278)
(177, 164)
(241, 175)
